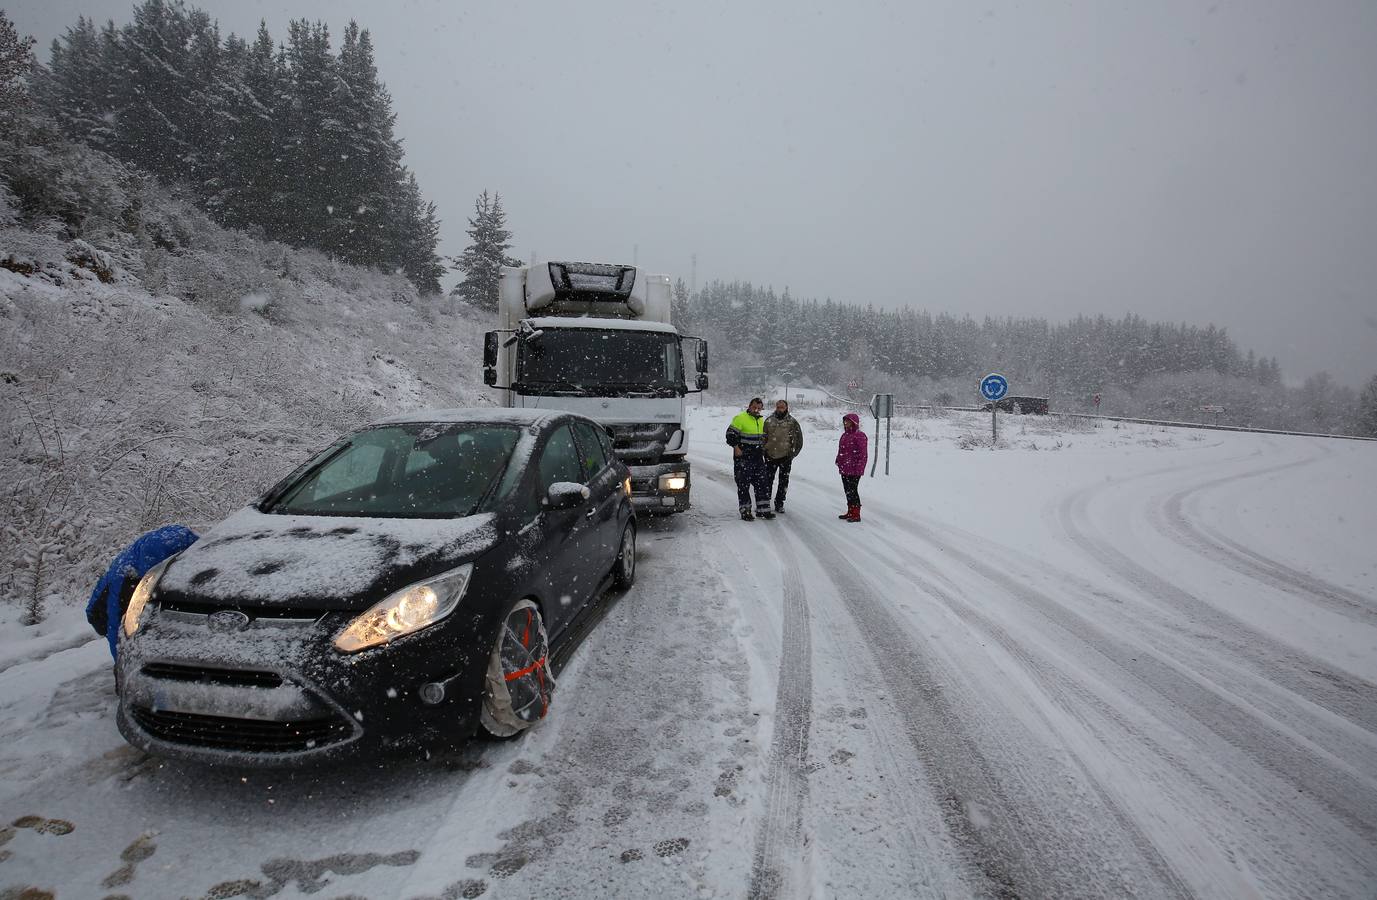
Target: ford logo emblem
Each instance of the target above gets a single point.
(227, 620)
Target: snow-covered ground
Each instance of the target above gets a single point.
(1092, 662)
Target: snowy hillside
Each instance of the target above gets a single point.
(140, 386)
(1097, 661)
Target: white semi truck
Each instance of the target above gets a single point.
(596, 339)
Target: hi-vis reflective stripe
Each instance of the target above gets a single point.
(749, 430)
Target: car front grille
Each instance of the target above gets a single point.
(212, 675)
(253, 611)
(245, 735)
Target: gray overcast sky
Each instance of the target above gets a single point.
(1211, 161)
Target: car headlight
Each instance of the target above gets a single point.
(674, 481)
(406, 611)
(133, 614)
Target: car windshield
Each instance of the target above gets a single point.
(403, 471)
(604, 361)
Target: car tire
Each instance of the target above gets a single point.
(517, 687)
(624, 569)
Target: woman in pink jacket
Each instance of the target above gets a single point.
(853, 450)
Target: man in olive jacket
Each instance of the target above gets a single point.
(783, 441)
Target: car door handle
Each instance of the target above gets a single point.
(591, 513)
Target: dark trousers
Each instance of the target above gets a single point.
(850, 483)
(751, 473)
(781, 468)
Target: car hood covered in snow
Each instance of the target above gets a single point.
(318, 562)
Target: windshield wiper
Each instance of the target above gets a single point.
(546, 387)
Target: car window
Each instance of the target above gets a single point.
(606, 439)
(350, 471)
(407, 470)
(559, 460)
(594, 457)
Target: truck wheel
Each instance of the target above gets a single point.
(518, 687)
(624, 569)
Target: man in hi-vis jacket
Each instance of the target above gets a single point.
(746, 437)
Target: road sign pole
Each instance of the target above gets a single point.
(993, 387)
(889, 429)
(876, 462)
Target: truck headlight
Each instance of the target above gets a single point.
(674, 481)
(133, 614)
(406, 611)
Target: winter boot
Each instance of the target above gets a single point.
(765, 514)
(746, 515)
(846, 515)
(779, 507)
(854, 514)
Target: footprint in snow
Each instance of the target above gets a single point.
(41, 825)
(672, 847)
(135, 853)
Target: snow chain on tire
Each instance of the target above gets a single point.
(519, 686)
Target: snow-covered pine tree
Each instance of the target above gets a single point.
(680, 307)
(482, 260)
(77, 87)
(412, 234)
(1366, 424)
(250, 187)
(152, 103)
(16, 63)
(209, 87)
(369, 179)
(316, 139)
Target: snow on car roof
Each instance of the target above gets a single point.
(474, 415)
(595, 322)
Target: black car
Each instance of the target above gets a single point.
(410, 584)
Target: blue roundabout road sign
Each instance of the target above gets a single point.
(994, 386)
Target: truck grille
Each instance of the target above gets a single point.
(633, 443)
(245, 735)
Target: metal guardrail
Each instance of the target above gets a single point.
(1206, 427)
(1161, 422)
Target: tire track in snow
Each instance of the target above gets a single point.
(1173, 521)
(1276, 865)
(998, 840)
(1344, 794)
(779, 844)
(1346, 695)
(918, 835)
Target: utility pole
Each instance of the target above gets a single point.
(693, 277)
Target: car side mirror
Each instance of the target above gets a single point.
(490, 359)
(566, 495)
(702, 381)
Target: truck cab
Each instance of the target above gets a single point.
(597, 339)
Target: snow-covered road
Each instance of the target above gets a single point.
(1102, 662)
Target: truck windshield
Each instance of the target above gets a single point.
(603, 362)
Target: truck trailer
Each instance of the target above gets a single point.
(597, 339)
